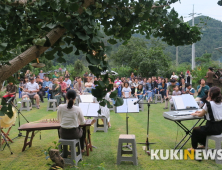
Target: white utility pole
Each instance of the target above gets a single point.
(193, 45)
(177, 56)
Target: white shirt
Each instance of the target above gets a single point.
(174, 76)
(70, 118)
(216, 109)
(32, 86)
(126, 91)
(68, 82)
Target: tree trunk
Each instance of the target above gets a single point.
(33, 52)
(29, 55)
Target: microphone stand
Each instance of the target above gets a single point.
(19, 113)
(147, 143)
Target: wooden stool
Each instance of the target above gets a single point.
(218, 140)
(127, 139)
(26, 105)
(52, 104)
(76, 154)
(101, 127)
(156, 98)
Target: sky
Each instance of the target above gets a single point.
(205, 7)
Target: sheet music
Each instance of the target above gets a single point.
(128, 106)
(131, 107)
(93, 109)
(178, 101)
(84, 107)
(189, 100)
(184, 101)
(86, 98)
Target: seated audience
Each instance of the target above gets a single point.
(63, 88)
(176, 91)
(182, 85)
(189, 89)
(162, 88)
(126, 91)
(169, 92)
(32, 88)
(149, 91)
(139, 92)
(201, 89)
(79, 86)
(46, 84)
(56, 91)
(68, 83)
(88, 86)
(41, 93)
(11, 90)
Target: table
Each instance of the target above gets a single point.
(32, 127)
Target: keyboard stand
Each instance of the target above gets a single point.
(187, 131)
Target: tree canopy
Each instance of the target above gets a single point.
(37, 25)
(147, 58)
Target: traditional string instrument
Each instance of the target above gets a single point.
(6, 122)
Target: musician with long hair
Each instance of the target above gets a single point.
(70, 116)
(213, 112)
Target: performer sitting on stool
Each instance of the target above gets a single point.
(69, 117)
(10, 90)
(212, 111)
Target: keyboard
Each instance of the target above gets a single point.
(180, 115)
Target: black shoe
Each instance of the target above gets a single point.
(42, 101)
(165, 108)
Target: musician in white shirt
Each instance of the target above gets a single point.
(213, 112)
(70, 117)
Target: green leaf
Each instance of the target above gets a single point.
(61, 60)
(91, 59)
(112, 41)
(68, 50)
(3, 46)
(113, 94)
(95, 70)
(82, 36)
(51, 25)
(119, 102)
(99, 111)
(73, 7)
(88, 11)
(102, 103)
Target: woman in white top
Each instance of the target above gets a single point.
(70, 117)
(126, 91)
(213, 112)
(174, 76)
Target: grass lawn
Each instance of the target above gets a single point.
(163, 132)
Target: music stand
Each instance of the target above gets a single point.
(128, 107)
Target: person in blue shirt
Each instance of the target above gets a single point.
(149, 90)
(201, 89)
(189, 89)
(162, 87)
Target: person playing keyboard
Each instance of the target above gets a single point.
(213, 112)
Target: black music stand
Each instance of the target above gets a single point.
(147, 143)
(127, 118)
